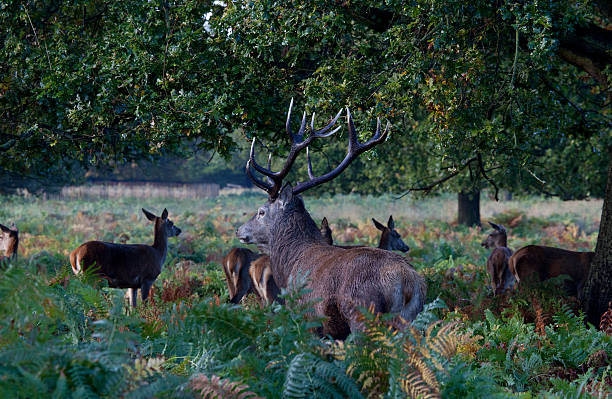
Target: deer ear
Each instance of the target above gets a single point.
(149, 215)
(324, 222)
(390, 222)
(286, 194)
(378, 225)
(164, 214)
(495, 226)
(4, 228)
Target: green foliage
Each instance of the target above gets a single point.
(93, 83)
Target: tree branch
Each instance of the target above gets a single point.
(484, 174)
(431, 186)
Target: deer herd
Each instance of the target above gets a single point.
(295, 252)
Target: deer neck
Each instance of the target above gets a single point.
(502, 242)
(160, 242)
(385, 242)
(294, 232)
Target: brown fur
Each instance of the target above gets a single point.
(497, 263)
(541, 263)
(263, 281)
(236, 265)
(131, 266)
(259, 278)
(344, 279)
(9, 241)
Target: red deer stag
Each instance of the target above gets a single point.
(343, 279)
(541, 263)
(497, 263)
(9, 242)
(130, 266)
(247, 271)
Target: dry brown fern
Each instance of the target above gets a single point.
(421, 381)
(414, 385)
(421, 355)
(217, 388)
(540, 320)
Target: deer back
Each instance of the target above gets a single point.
(123, 265)
(543, 262)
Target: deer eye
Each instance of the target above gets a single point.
(262, 212)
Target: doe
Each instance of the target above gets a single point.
(130, 266)
(497, 262)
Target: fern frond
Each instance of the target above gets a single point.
(217, 388)
(427, 373)
(414, 385)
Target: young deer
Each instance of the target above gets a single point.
(130, 266)
(497, 263)
(541, 263)
(343, 279)
(9, 242)
(259, 278)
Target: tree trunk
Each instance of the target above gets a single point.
(469, 208)
(598, 287)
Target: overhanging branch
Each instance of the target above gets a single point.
(466, 164)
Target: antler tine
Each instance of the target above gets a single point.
(274, 179)
(310, 174)
(355, 148)
(270, 167)
(298, 137)
(323, 132)
(298, 143)
(256, 166)
(256, 181)
(355, 145)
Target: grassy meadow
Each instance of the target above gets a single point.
(66, 336)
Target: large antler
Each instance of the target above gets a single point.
(355, 148)
(298, 143)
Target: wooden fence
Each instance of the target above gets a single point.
(109, 190)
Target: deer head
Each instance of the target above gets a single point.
(390, 239)
(258, 229)
(163, 225)
(9, 240)
(497, 238)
